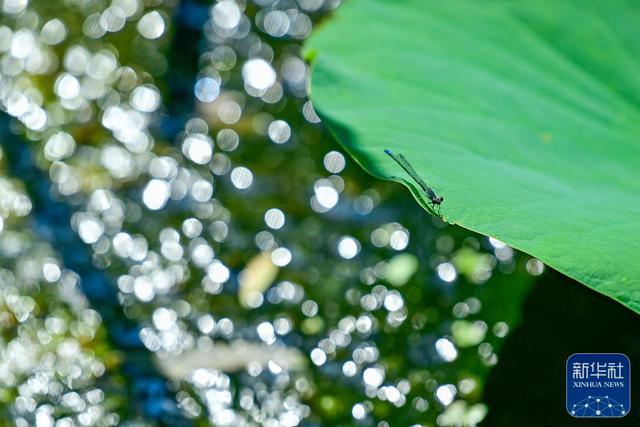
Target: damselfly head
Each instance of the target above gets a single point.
(386, 150)
(437, 200)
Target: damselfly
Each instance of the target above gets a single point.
(404, 164)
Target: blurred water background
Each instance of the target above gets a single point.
(182, 243)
